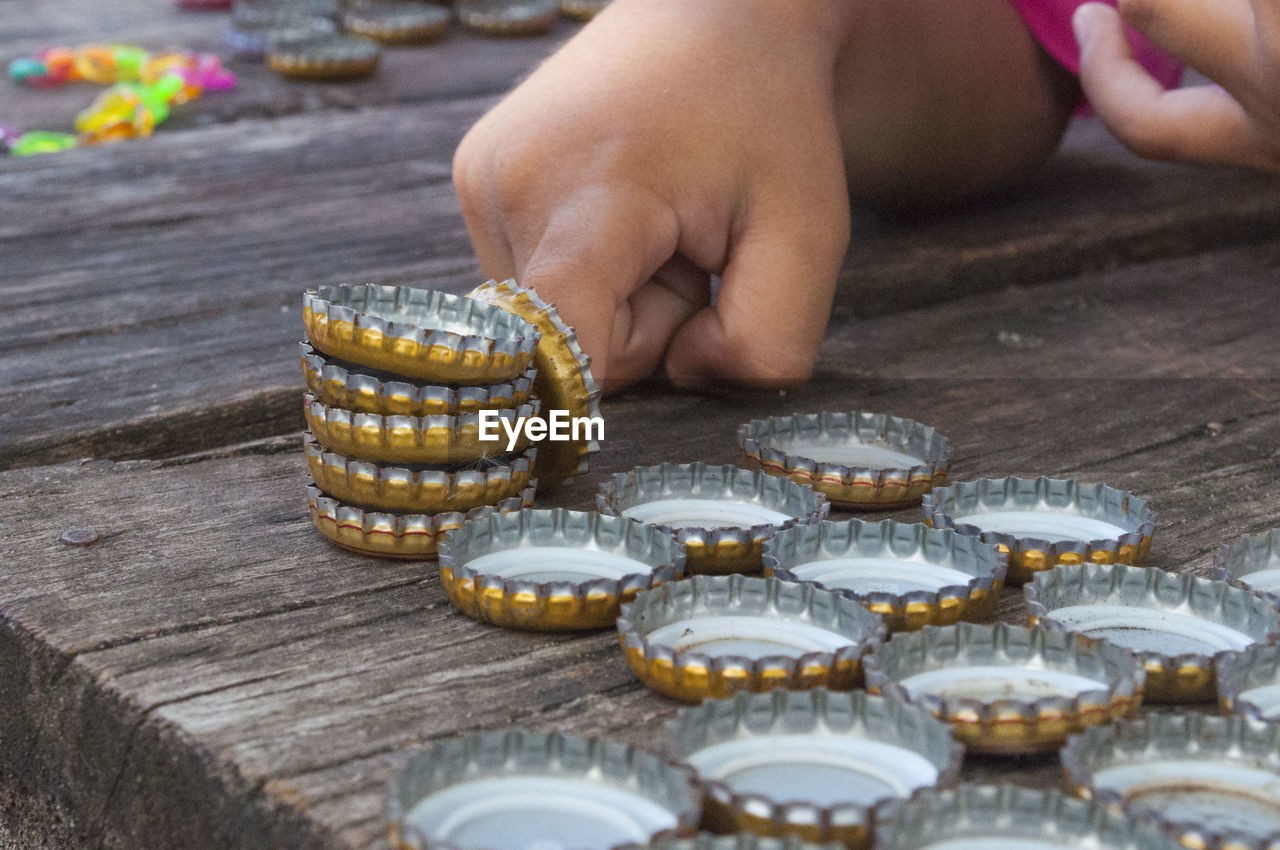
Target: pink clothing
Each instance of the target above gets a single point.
(1050, 22)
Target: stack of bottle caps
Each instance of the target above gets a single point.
(415, 404)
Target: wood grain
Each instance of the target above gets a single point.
(214, 674)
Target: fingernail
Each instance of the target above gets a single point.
(1082, 22)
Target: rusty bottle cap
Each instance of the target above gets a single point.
(1179, 625)
(1209, 782)
(1008, 689)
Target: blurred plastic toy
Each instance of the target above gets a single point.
(143, 87)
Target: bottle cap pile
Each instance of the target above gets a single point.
(398, 380)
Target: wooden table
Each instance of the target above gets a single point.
(212, 673)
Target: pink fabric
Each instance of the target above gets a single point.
(1050, 22)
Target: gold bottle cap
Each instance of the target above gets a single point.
(383, 534)
(554, 569)
(564, 379)
(1042, 521)
(1209, 782)
(515, 788)
(1179, 625)
(420, 334)
(711, 636)
(1008, 689)
(1249, 682)
(722, 514)
(508, 17)
(1253, 561)
(396, 22)
(421, 490)
(329, 57)
(911, 574)
(414, 439)
(983, 817)
(363, 390)
(814, 764)
(857, 460)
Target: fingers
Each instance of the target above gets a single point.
(767, 324)
(1212, 36)
(1199, 124)
(595, 261)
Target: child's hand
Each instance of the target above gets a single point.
(670, 140)
(1236, 43)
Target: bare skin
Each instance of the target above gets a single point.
(670, 141)
(1235, 43)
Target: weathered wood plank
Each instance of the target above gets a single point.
(137, 305)
(214, 673)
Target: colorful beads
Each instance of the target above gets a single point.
(143, 88)
(39, 141)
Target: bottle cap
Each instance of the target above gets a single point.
(1041, 522)
(259, 12)
(711, 636)
(582, 10)
(253, 40)
(1249, 682)
(982, 817)
(1209, 782)
(1008, 689)
(553, 569)
(810, 763)
(564, 379)
(1178, 624)
(419, 490)
(722, 514)
(362, 390)
(857, 460)
(413, 537)
(522, 789)
(333, 57)
(414, 439)
(911, 574)
(741, 841)
(1253, 561)
(508, 17)
(421, 334)
(396, 22)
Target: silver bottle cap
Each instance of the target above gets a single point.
(1254, 561)
(1207, 781)
(912, 574)
(513, 790)
(1178, 624)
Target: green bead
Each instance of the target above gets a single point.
(129, 61)
(41, 141)
(23, 69)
